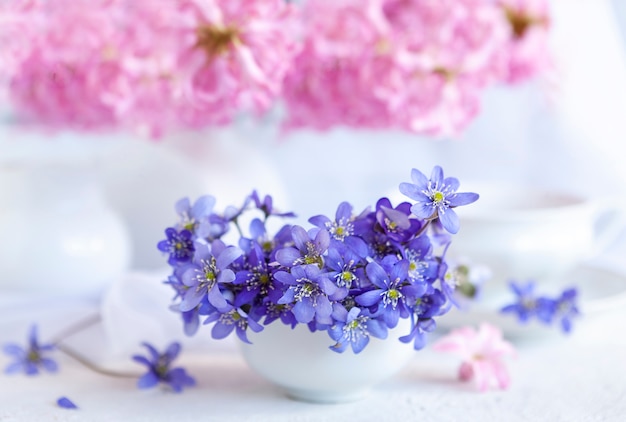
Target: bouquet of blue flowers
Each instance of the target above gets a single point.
(353, 275)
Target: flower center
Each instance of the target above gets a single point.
(340, 230)
(438, 197)
(207, 276)
(33, 356)
(305, 289)
(528, 303)
(520, 23)
(216, 40)
(267, 246)
(312, 256)
(447, 74)
(391, 297)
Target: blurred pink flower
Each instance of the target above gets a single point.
(482, 353)
(150, 65)
(231, 56)
(414, 65)
(58, 72)
(527, 53)
(417, 65)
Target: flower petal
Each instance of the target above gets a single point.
(463, 198)
(147, 380)
(66, 403)
(449, 220)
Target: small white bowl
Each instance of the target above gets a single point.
(301, 364)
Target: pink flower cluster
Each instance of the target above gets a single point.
(146, 64)
(416, 65)
(482, 354)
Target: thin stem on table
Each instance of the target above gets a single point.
(76, 328)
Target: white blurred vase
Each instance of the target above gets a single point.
(144, 178)
(59, 235)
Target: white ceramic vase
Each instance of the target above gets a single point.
(301, 364)
(60, 237)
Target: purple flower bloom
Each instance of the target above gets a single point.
(66, 403)
(31, 359)
(267, 206)
(392, 291)
(232, 319)
(254, 279)
(354, 329)
(339, 228)
(345, 268)
(423, 267)
(308, 291)
(274, 311)
(565, 308)
(309, 247)
(179, 245)
(436, 197)
(206, 274)
(528, 305)
(159, 370)
(422, 313)
(195, 218)
(395, 222)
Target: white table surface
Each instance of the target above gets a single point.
(581, 377)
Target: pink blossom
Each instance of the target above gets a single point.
(482, 353)
(57, 70)
(527, 52)
(152, 66)
(417, 65)
(230, 56)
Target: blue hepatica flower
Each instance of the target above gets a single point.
(546, 309)
(179, 246)
(308, 291)
(392, 291)
(231, 319)
(423, 267)
(267, 206)
(195, 217)
(528, 305)
(206, 274)
(565, 308)
(354, 329)
(436, 197)
(31, 359)
(160, 371)
(395, 222)
(345, 268)
(339, 228)
(309, 247)
(423, 311)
